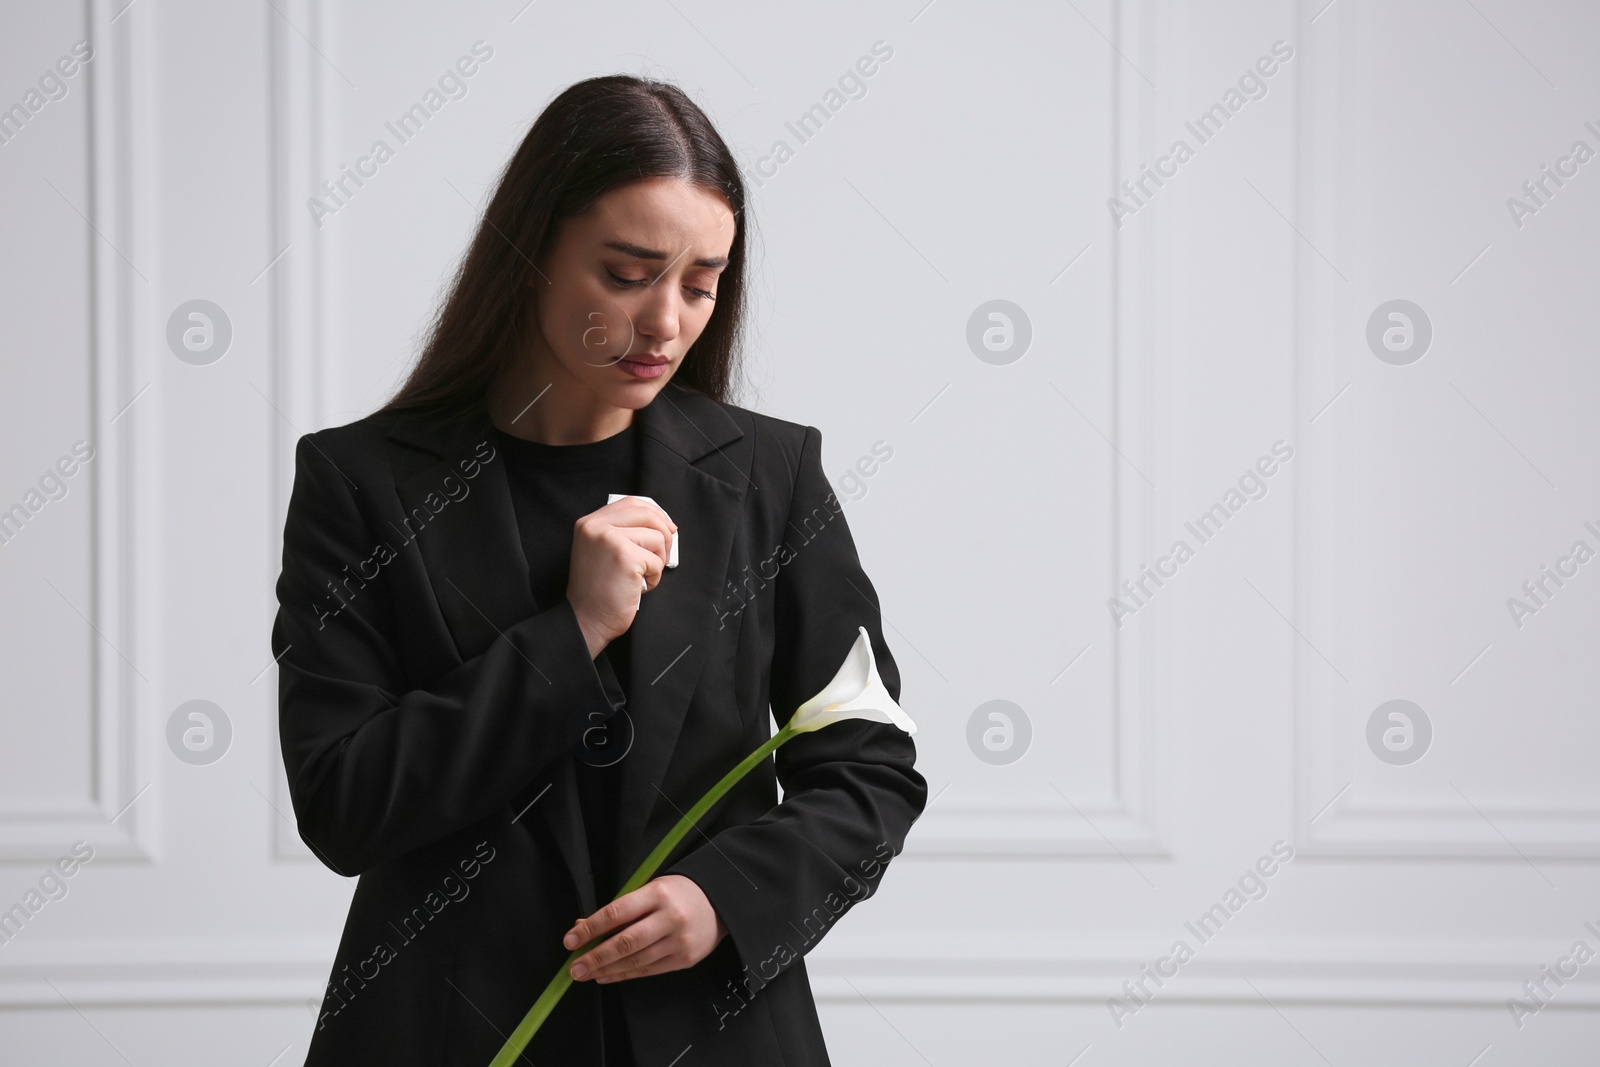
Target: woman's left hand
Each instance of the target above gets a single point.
(667, 925)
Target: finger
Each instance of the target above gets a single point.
(633, 938)
(644, 549)
(632, 511)
(661, 956)
(648, 538)
(645, 942)
(661, 966)
(619, 912)
(639, 515)
(650, 565)
(639, 503)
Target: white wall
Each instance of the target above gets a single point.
(1228, 311)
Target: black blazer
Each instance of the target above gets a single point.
(428, 710)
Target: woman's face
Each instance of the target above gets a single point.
(628, 287)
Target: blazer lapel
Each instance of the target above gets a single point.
(471, 546)
(680, 444)
(471, 549)
(472, 552)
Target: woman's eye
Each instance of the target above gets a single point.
(634, 283)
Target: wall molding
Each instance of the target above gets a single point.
(1067, 969)
(124, 528)
(1129, 821)
(299, 381)
(166, 973)
(962, 969)
(1326, 720)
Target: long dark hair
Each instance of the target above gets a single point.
(595, 136)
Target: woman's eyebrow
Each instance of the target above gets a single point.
(639, 252)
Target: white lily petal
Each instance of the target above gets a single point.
(856, 692)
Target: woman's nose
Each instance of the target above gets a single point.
(657, 317)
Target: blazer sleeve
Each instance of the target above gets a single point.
(850, 790)
(377, 769)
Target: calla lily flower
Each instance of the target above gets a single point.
(856, 692)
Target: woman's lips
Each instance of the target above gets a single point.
(643, 370)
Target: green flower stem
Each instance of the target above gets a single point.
(511, 1051)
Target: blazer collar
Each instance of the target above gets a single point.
(689, 424)
(472, 551)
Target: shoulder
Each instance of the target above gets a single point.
(388, 444)
(773, 441)
(351, 440)
(786, 462)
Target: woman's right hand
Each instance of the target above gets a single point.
(618, 552)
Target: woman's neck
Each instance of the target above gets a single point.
(554, 408)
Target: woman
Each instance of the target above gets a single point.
(497, 694)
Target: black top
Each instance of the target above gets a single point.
(552, 486)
